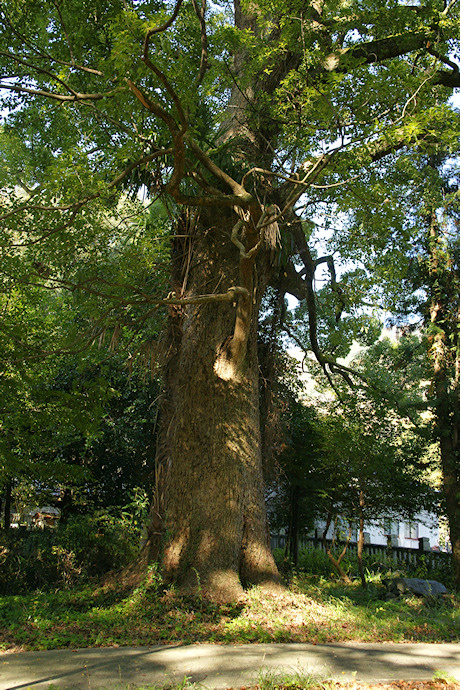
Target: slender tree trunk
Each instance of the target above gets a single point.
(361, 540)
(328, 549)
(212, 514)
(294, 525)
(7, 509)
(445, 361)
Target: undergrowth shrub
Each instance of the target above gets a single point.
(314, 561)
(85, 547)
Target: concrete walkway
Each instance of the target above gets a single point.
(223, 666)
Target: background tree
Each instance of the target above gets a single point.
(295, 492)
(412, 269)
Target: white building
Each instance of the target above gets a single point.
(399, 532)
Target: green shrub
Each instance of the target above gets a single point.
(86, 546)
(314, 561)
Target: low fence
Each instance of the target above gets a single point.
(379, 552)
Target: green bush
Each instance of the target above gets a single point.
(314, 561)
(86, 546)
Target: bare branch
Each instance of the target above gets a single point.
(449, 7)
(229, 296)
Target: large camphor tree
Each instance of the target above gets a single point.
(239, 120)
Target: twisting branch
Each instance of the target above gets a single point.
(200, 12)
(162, 77)
(442, 58)
(154, 108)
(159, 29)
(237, 188)
(329, 260)
(177, 133)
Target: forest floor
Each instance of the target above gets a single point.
(312, 610)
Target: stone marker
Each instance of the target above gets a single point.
(413, 585)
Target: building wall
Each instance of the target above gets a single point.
(404, 533)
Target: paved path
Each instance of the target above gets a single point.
(223, 666)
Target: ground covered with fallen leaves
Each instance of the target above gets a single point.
(311, 610)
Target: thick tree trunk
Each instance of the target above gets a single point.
(209, 522)
(212, 515)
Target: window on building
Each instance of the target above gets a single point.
(391, 527)
(411, 530)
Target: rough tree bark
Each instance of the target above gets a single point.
(213, 520)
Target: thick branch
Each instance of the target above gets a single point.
(229, 296)
(377, 51)
(154, 108)
(219, 174)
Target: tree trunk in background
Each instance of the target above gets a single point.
(294, 525)
(328, 549)
(213, 514)
(361, 540)
(448, 440)
(444, 353)
(7, 509)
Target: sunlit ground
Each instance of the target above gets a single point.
(311, 610)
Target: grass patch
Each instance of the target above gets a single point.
(271, 680)
(312, 609)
